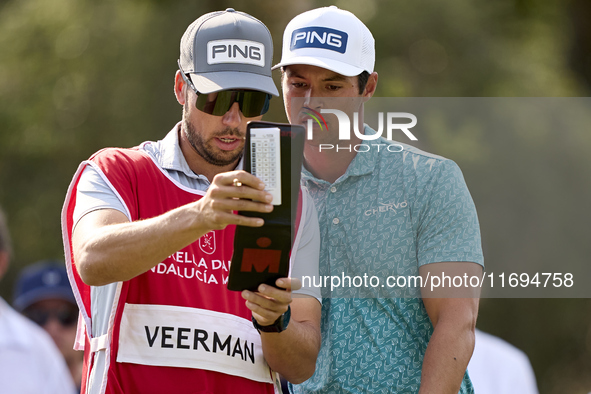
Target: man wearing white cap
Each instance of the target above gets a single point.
(148, 234)
(380, 344)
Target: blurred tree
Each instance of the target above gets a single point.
(79, 75)
(580, 48)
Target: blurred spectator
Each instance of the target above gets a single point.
(29, 360)
(44, 295)
(497, 367)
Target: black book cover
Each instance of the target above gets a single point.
(261, 254)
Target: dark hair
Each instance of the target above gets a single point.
(4, 235)
(362, 81)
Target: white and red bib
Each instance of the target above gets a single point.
(176, 328)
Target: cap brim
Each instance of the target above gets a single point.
(223, 80)
(25, 300)
(329, 64)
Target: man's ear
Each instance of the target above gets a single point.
(370, 87)
(3, 263)
(282, 77)
(180, 88)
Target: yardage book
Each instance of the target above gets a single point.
(273, 152)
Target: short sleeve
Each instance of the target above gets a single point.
(94, 193)
(448, 228)
(307, 256)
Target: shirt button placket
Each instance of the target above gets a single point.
(333, 190)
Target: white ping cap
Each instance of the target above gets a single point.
(330, 38)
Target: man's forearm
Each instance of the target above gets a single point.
(293, 352)
(121, 251)
(446, 358)
(453, 313)
(108, 248)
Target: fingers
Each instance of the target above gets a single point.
(227, 201)
(245, 179)
(220, 219)
(265, 317)
(266, 310)
(241, 185)
(269, 302)
(290, 284)
(230, 192)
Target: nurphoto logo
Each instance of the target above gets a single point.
(345, 128)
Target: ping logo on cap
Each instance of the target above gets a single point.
(236, 51)
(319, 37)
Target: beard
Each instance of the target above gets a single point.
(206, 149)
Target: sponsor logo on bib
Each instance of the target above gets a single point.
(207, 243)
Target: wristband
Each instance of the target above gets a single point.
(279, 325)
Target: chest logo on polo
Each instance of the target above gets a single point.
(391, 206)
(236, 51)
(319, 37)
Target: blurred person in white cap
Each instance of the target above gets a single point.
(420, 344)
(148, 235)
(43, 294)
(29, 360)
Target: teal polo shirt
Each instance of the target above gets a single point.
(390, 213)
